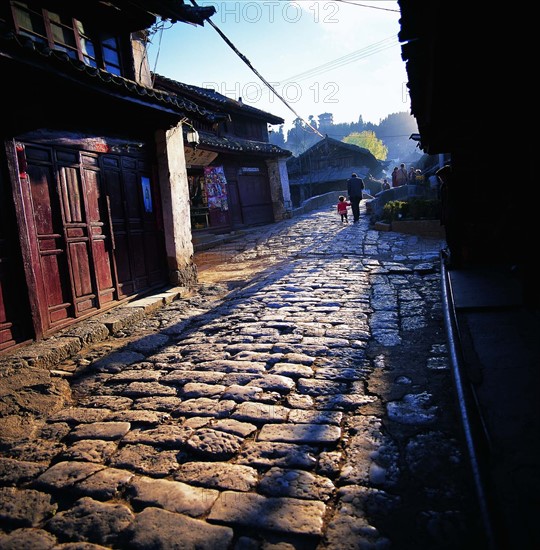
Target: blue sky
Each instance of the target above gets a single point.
(321, 56)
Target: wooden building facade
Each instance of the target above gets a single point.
(237, 177)
(468, 98)
(88, 212)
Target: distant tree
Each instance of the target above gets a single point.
(394, 131)
(340, 130)
(312, 121)
(369, 126)
(276, 137)
(300, 137)
(368, 140)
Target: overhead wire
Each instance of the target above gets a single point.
(316, 71)
(160, 30)
(253, 69)
(156, 28)
(362, 53)
(365, 5)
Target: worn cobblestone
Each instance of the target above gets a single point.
(173, 496)
(284, 514)
(301, 399)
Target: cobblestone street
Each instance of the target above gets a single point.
(301, 398)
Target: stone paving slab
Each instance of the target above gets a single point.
(285, 514)
(173, 496)
(156, 528)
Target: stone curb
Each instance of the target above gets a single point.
(47, 353)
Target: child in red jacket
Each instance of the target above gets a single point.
(342, 208)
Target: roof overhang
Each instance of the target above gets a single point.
(130, 15)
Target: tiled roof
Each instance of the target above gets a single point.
(237, 145)
(336, 143)
(326, 147)
(39, 55)
(216, 100)
(329, 175)
(173, 10)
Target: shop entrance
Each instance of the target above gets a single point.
(208, 193)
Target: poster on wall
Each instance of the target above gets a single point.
(216, 188)
(147, 194)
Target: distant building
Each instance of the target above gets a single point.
(236, 176)
(326, 166)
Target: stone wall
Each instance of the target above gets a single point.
(318, 201)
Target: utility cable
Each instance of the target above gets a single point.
(357, 55)
(158, 52)
(346, 59)
(248, 63)
(365, 6)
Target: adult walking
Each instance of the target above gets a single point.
(355, 186)
(402, 177)
(394, 176)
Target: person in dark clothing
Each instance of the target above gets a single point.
(355, 186)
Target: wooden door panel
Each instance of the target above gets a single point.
(132, 194)
(55, 288)
(139, 260)
(80, 267)
(102, 266)
(139, 264)
(71, 196)
(154, 252)
(44, 210)
(255, 199)
(100, 239)
(122, 255)
(84, 291)
(134, 214)
(126, 286)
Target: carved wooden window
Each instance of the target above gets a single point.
(64, 33)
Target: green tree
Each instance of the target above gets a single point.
(300, 137)
(277, 137)
(368, 140)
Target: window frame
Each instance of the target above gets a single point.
(80, 31)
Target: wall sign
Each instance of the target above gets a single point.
(198, 157)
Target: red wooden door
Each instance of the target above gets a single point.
(70, 246)
(99, 233)
(139, 248)
(87, 243)
(112, 176)
(47, 241)
(92, 235)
